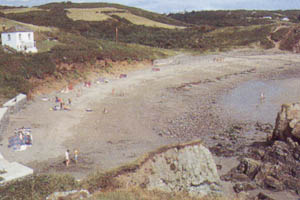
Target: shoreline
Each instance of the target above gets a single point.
(148, 110)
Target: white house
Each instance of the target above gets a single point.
(267, 17)
(286, 19)
(19, 38)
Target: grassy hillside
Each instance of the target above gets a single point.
(18, 71)
(136, 11)
(84, 33)
(224, 18)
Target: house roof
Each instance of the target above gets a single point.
(17, 29)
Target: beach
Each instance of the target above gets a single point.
(115, 122)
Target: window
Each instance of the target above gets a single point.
(20, 36)
(29, 36)
(8, 37)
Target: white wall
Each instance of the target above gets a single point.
(12, 42)
(21, 41)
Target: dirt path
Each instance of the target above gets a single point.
(141, 113)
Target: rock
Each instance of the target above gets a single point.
(260, 153)
(288, 123)
(267, 128)
(249, 167)
(190, 169)
(291, 142)
(74, 194)
(265, 170)
(262, 196)
(273, 184)
(243, 195)
(240, 177)
(239, 187)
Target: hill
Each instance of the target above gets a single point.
(85, 33)
(224, 18)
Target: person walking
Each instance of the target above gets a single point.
(67, 157)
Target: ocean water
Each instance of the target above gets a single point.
(245, 102)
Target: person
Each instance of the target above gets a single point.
(67, 157)
(69, 101)
(262, 96)
(76, 155)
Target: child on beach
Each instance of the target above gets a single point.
(67, 157)
(76, 155)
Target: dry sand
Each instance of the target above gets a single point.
(140, 112)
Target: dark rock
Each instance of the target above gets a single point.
(239, 187)
(240, 177)
(249, 167)
(267, 128)
(273, 184)
(262, 196)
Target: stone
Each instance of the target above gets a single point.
(288, 123)
(74, 194)
(191, 169)
(249, 167)
(262, 196)
(239, 187)
(273, 184)
(260, 153)
(240, 177)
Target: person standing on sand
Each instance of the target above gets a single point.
(67, 157)
(76, 155)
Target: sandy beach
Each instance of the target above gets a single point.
(131, 116)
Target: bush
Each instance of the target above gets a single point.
(37, 187)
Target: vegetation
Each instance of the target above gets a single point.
(37, 187)
(139, 194)
(280, 34)
(87, 42)
(18, 70)
(291, 39)
(136, 11)
(225, 18)
(41, 186)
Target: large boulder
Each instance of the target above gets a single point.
(190, 169)
(185, 168)
(287, 127)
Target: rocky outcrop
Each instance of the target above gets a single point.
(74, 194)
(287, 126)
(185, 168)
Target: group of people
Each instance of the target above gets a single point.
(67, 157)
(62, 105)
(21, 140)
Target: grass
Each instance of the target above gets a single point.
(46, 45)
(280, 34)
(19, 10)
(102, 14)
(231, 37)
(9, 23)
(139, 194)
(37, 187)
(89, 14)
(145, 22)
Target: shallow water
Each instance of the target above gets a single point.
(244, 102)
